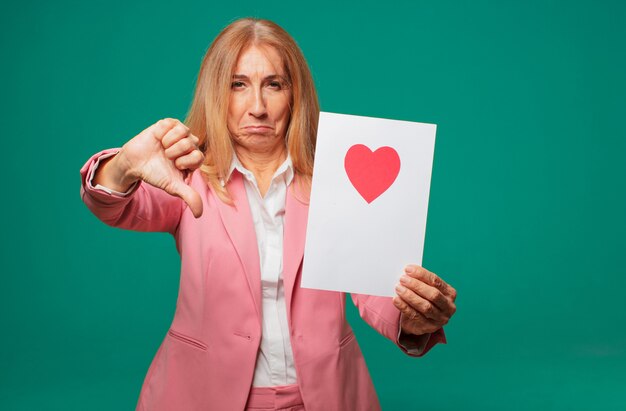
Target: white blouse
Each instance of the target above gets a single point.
(274, 363)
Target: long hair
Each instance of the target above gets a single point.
(207, 117)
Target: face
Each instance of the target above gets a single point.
(258, 111)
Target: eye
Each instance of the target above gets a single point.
(237, 85)
(275, 84)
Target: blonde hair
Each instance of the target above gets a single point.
(207, 117)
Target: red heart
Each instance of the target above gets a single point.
(371, 173)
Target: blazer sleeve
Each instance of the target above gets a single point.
(383, 316)
(143, 208)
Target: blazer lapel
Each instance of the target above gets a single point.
(237, 220)
(296, 214)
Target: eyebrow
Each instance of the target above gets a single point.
(266, 78)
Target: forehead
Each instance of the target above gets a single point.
(260, 59)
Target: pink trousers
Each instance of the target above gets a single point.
(282, 398)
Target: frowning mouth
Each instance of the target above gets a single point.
(258, 129)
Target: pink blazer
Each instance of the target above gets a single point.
(206, 361)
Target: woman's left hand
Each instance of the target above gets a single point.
(425, 301)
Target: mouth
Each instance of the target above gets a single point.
(258, 129)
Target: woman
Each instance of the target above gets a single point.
(231, 186)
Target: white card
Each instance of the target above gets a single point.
(369, 201)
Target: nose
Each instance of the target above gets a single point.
(257, 107)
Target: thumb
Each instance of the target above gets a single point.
(189, 196)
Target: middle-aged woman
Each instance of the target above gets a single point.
(232, 187)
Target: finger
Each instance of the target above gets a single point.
(161, 127)
(178, 132)
(190, 161)
(428, 277)
(417, 323)
(430, 293)
(418, 326)
(405, 309)
(421, 305)
(180, 148)
(189, 196)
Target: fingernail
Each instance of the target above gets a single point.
(409, 269)
(404, 279)
(400, 288)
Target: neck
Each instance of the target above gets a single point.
(262, 164)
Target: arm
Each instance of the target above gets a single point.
(381, 314)
(142, 208)
(152, 166)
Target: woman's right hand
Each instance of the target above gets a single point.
(161, 155)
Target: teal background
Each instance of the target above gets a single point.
(527, 207)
